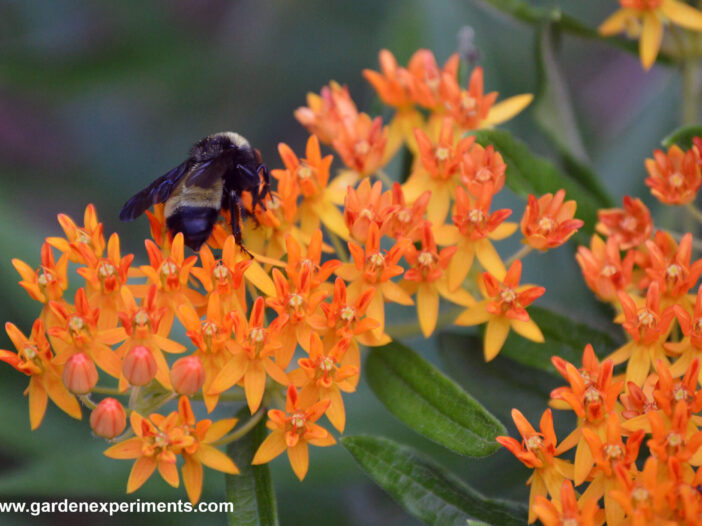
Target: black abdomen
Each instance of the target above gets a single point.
(195, 222)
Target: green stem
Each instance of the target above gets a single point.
(689, 69)
(519, 254)
(696, 212)
(108, 391)
(234, 396)
(87, 402)
(243, 430)
(380, 174)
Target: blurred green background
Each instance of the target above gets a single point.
(97, 99)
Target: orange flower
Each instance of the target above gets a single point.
(33, 358)
(78, 332)
(591, 395)
(225, 277)
(609, 455)
(439, 169)
(673, 272)
(253, 350)
(319, 272)
(603, 268)
(296, 301)
(538, 452)
(159, 440)
(367, 204)
(675, 438)
(548, 222)
(46, 283)
(322, 379)
(690, 347)
(482, 167)
(427, 277)
(426, 77)
(674, 177)
(310, 177)
(502, 309)
(373, 268)
(326, 112)
(104, 278)
(406, 221)
(630, 226)
(471, 108)
(645, 19)
(170, 274)
(90, 235)
(212, 338)
(570, 512)
(158, 228)
(473, 229)
(649, 328)
(361, 144)
(644, 497)
(294, 431)
(141, 324)
(392, 84)
(668, 392)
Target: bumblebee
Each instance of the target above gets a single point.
(218, 171)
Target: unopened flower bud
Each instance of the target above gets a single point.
(80, 374)
(139, 366)
(108, 419)
(187, 375)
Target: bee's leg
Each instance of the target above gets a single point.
(235, 210)
(266, 190)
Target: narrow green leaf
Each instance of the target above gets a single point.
(430, 403)
(683, 136)
(522, 10)
(425, 489)
(251, 491)
(553, 112)
(529, 174)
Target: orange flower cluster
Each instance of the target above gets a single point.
(651, 279)
(290, 312)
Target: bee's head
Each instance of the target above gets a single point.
(214, 145)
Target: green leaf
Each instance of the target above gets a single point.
(529, 174)
(683, 136)
(251, 491)
(522, 10)
(430, 403)
(425, 489)
(553, 112)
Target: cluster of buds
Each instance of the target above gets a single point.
(651, 279)
(293, 317)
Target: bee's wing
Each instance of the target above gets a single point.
(156, 192)
(206, 174)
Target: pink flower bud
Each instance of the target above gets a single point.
(80, 374)
(187, 375)
(108, 419)
(139, 366)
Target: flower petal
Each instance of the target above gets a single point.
(215, 459)
(142, 469)
(271, 447)
(651, 37)
(528, 329)
(299, 458)
(507, 109)
(192, 478)
(495, 336)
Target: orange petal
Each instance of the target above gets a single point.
(495, 336)
(299, 458)
(37, 403)
(142, 469)
(507, 109)
(192, 478)
(169, 473)
(271, 447)
(528, 329)
(215, 459)
(255, 385)
(427, 308)
(128, 449)
(651, 37)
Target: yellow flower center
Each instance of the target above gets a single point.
(366, 213)
(209, 328)
(674, 439)
(673, 271)
(592, 395)
(298, 421)
(362, 147)
(508, 295)
(220, 272)
(647, 318)
(534, 442)
(30, 351)
(680, 393)
(82, 236)
(639, 494)
(483, 175)
(106, 269)
(257, 335)
(305, 172)
(570, 522)
(295, 301)
(468, 103)
(613, 450)
(676, 180)
(698, 324)
(476, 216)
(377, 259)
(629, 223)
(326, 365)
(348, 313)
(608, 271)
(76, 323)
(45, 278)
(403, 216)
(442, 154)
(141, 317)
(546, 225)
(425, 259)
(169, 268)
